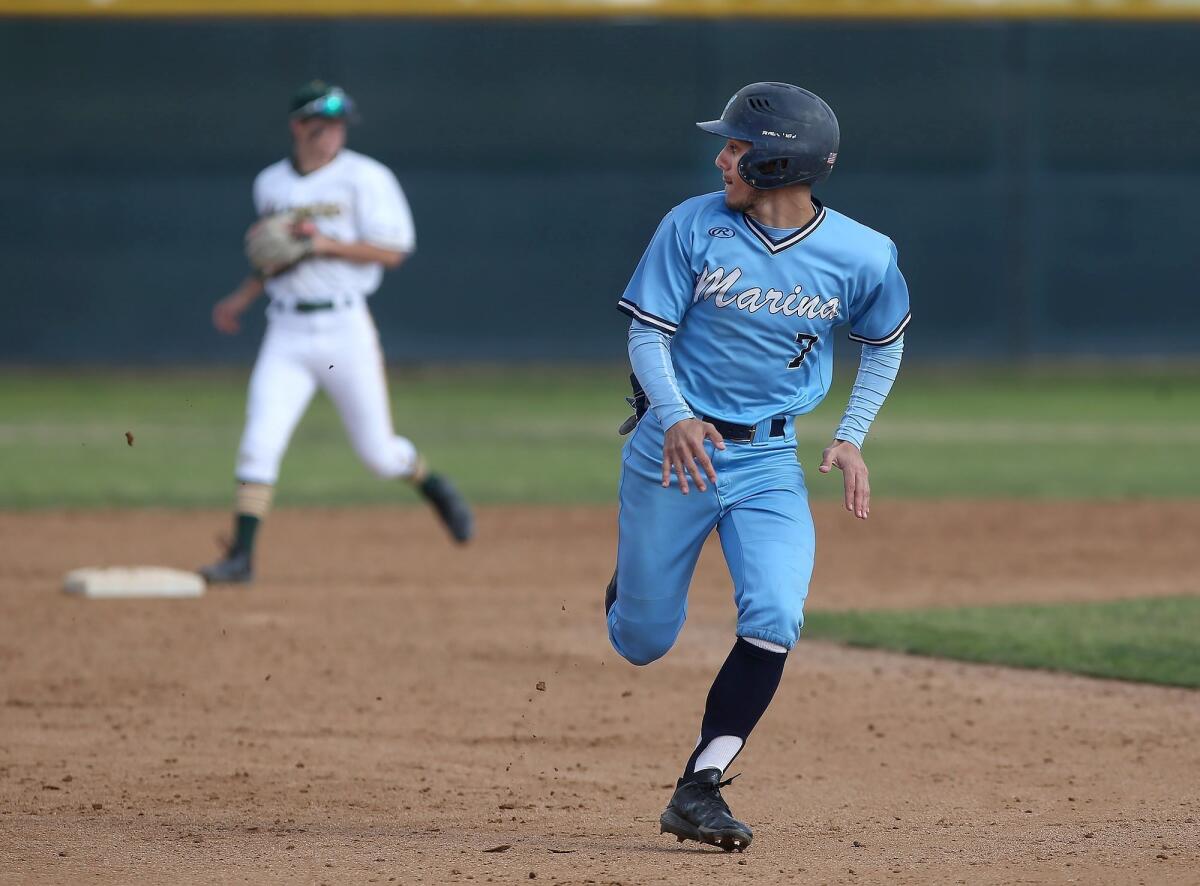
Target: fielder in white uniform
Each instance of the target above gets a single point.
(320, 333)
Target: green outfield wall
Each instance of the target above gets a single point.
(1039, 175)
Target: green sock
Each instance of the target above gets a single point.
(244, 529)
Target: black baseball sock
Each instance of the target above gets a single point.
(739, 696)
(244, 528)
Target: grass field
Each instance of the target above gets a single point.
(1151, 640)
(548, 435)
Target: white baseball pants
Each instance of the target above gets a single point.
(338, 351)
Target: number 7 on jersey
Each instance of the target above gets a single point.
(806, 341)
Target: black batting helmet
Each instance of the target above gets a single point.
(793, 132)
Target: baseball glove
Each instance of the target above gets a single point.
(272, 245)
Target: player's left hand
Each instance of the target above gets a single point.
(846, 456)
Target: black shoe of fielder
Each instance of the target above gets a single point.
(451, 507)
(234, 568)
(697, 811)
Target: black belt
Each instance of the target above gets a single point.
(312, 307)
(743, 433)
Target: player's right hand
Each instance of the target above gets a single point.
(684, 453)
(226, 315)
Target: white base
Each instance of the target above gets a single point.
(136, 581)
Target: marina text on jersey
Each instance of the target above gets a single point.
(716, 285)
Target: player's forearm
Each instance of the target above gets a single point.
(360, 253)
(650, 357)
(877, 370)
(248, 290)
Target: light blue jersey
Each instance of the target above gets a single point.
(753, 317)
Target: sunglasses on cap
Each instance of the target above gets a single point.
(335, 103)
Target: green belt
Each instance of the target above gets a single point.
(311, 307)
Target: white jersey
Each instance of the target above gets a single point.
(352, 198)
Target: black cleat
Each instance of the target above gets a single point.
(610, 593)
(234, 568)
(697, 811)
(451, 507)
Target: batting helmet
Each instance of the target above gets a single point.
(793, 132)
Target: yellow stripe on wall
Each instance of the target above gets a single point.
(990, 9)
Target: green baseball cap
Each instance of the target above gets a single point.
(319, 99)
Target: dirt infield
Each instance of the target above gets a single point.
(369, 712)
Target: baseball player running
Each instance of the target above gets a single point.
(331, 220)
(734, 305)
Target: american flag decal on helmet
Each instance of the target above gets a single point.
(832, 158)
